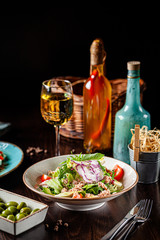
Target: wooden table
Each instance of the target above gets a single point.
(30, 130)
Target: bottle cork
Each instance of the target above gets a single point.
(97, 52)
(133, 65)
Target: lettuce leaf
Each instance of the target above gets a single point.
(92, 188)
(65, 194)
(69, 177)
(55, 184)
(94, 156)
(84, 157)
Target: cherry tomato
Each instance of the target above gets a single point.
(119, 172)
(45, 177)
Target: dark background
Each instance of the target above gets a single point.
(55, 42)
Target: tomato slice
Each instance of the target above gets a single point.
(45, 177)
(119, 172)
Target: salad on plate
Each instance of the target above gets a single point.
(82, 176)
(2, 159)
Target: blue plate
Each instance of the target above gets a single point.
(14, 157)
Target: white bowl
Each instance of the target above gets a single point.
(32, 175)
(27, 222)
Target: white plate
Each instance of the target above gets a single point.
(33, 173)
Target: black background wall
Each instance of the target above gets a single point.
(55, 42)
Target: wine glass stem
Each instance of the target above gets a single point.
(57, 150)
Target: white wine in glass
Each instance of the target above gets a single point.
(57, 104)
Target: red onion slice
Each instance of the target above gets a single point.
(89, 170)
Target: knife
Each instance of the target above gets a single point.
(130, 215)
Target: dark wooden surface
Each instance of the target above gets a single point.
(30, 130)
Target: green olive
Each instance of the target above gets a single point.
(34, 210)
(12, 209)
(5, 213)
(11, 217)
(2, 205)
(1, 209)
(15, 211)
(19, 216)
(25, 210)
(11, 203)
(21, 205)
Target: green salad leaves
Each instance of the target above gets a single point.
(81, 175)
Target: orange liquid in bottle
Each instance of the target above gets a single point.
(97, 112)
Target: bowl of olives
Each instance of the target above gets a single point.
(19, 213)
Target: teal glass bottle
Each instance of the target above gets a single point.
(131, 113)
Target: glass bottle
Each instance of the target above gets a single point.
(97, 103)
(131, 113)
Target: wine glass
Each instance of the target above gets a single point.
(56, 104)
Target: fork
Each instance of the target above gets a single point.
(111, 234)
(141, 217)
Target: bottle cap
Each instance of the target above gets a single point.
(133, 65)
(98, 54)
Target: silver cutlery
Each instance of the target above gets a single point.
(142, 216)
(119, 226)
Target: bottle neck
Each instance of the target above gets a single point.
(99, 67)
(133, 88)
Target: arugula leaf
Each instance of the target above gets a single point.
(63, 170)
(82, 192)
(102, 167)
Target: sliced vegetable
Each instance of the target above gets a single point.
(45, 177)
(91, 81)
(98, 133)
(93, 189)
(118, 172)
(55, 184)
(89, 170)
(94, 156)
(2, 157)
(46, 190)
(78, 195)
(100, 85)
(65, 194)
(69, 177)
(84, 157)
